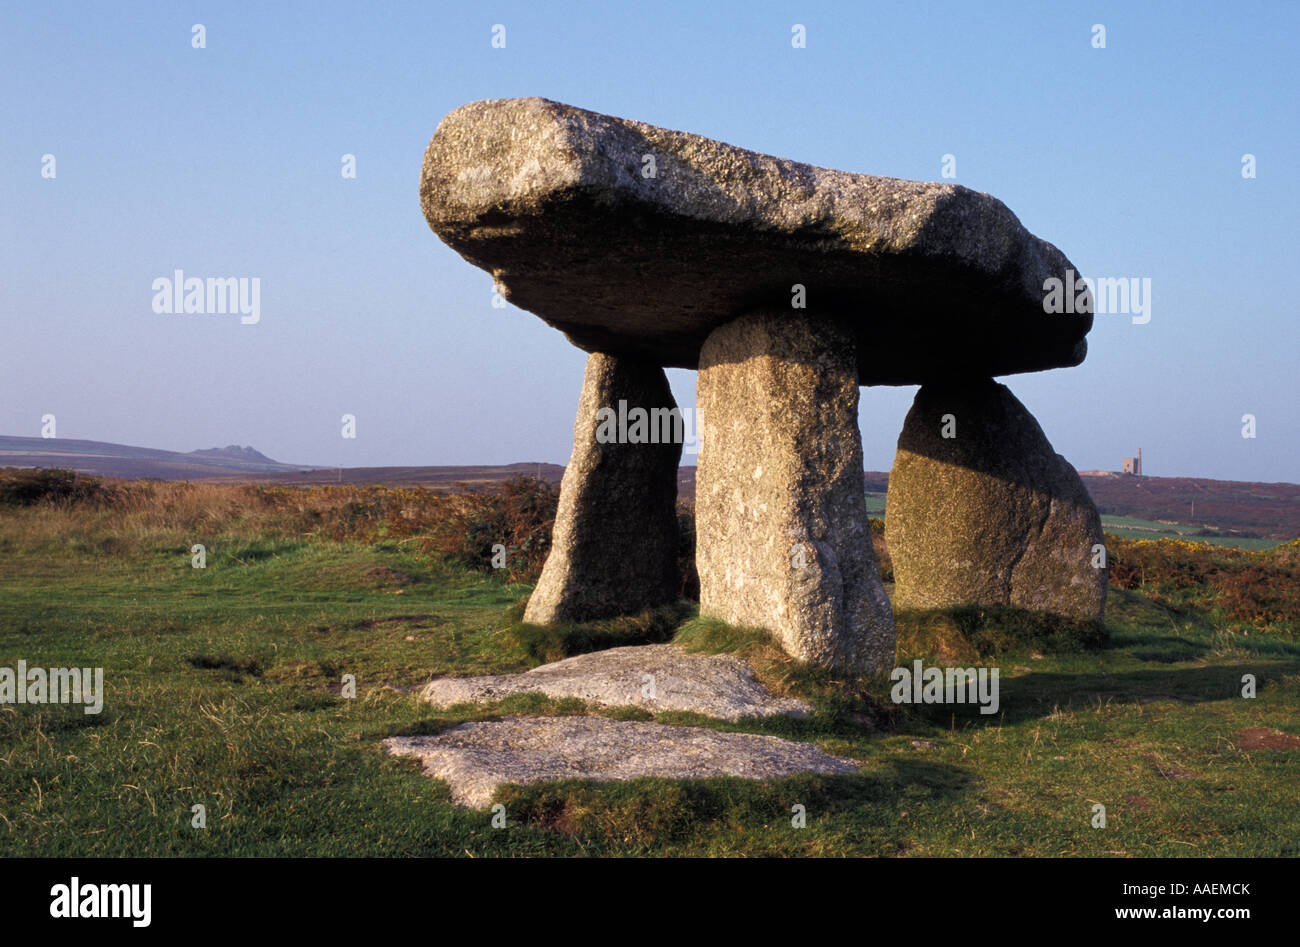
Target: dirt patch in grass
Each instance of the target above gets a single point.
(393, 622)
(1266, 738)
(236, 666)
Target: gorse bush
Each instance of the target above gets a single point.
(467, 527)
(878, 545)
(1262, 595)
(1260, 587)
(20, 487)
(690, 578)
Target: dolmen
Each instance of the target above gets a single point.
(787, 287)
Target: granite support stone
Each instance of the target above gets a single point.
(614, 544)
(982, 511)
(784, 541)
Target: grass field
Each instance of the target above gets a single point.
(223, 690)
(1134, 528)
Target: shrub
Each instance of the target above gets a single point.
(881, 549)
(1262, 593)
(20, 487)
(1259, 586)
(690, 578)
(518, 516)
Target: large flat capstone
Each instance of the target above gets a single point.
(652, 677)
(637, 240)
(476, 758)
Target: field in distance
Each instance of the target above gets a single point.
(1215, 511)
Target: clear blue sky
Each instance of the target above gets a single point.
(225, 161)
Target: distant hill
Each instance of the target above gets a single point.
(432, 478)
(242, 464)
(1254, 509)
(1264, 509)
(134, 463)
(233, 452)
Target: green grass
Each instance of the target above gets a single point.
(544, 643)
(1131, 527)
(223, 690)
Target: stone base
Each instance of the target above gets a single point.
(783, 540)
(614, 544)
(654, 677)
(992, 515)
(476, 758)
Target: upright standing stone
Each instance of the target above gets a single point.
(990, 515)
(784, 542)
(614, 545)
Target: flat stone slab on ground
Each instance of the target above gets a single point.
(475, 758)
(636, 240)
(715, 685)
